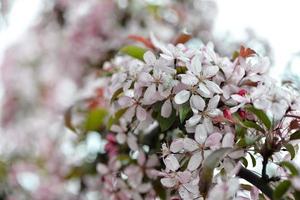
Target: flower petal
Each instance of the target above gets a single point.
(213, 102)
(190, 144)
(171, 163)
(196, 65)
(176, 145)
(200, 134)
(166, 108)
(213, 87)
(168, 182)
(195, 161)
(141, 113)
(197, 102)
(182, 97)
(204, 89)
(149, 58)
(210, 71)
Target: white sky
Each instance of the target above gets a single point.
(277, 21)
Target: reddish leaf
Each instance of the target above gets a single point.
(143, 40)
(246, 52)
(183, 38)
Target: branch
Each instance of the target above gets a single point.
(257, 181)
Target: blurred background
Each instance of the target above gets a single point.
(51, 51)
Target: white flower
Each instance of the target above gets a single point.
(205, 116)
(198, 78)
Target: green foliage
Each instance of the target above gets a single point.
(281, 189)
(95, 119)
(290, 167)
(295, 136)
(134, 51)
(261, 115)
(291, 150)
(251, 124)
(166, 123)
(252, 159)
(184, 111)
(208, 166)
(115, 119)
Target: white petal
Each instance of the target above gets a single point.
(189, 79)
(184, 177)
(213, 87)
(228, 140)
(132, 142)
(210, 71)
(171, 163)
(195, 161)
(168, 182)
(194, 120)
(182, 97)
(190, 144)
(196, 65)
(208, 125)
(197, 102)
(149, 58)
(150, 94)
(200, 134)
(141, 113)
(166, 108)
(145, 77)
(204, 89)
(213, 102)
(213, 140)
(176, 145)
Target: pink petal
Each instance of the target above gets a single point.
(213, 140)
(184, 176)
(166, 109)
(168, 182)
(195, 161)
(190, 144)
(200, 134)
(176, 145)
(141, 113)
(171, 162)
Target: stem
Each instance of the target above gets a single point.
(264, 175)
(257, 181)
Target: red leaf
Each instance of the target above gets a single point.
(143, 40)
(246, 52)
(183, 38)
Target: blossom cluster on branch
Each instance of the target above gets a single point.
(204, 116)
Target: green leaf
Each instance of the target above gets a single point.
(184, 111)
(281, 189)
(240, 131)
(290, 167)
(95, 119)
(166, 123)
(291, 150)
(295, 136)
(245, 162)
(115, 119)
(208, 166)
(261, 115)
(181, 69)
(116, 94)
(134, 51)
(253, 159)
(251, 124)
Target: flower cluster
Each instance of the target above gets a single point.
(209, 111)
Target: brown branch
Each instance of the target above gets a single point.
(257, 181)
